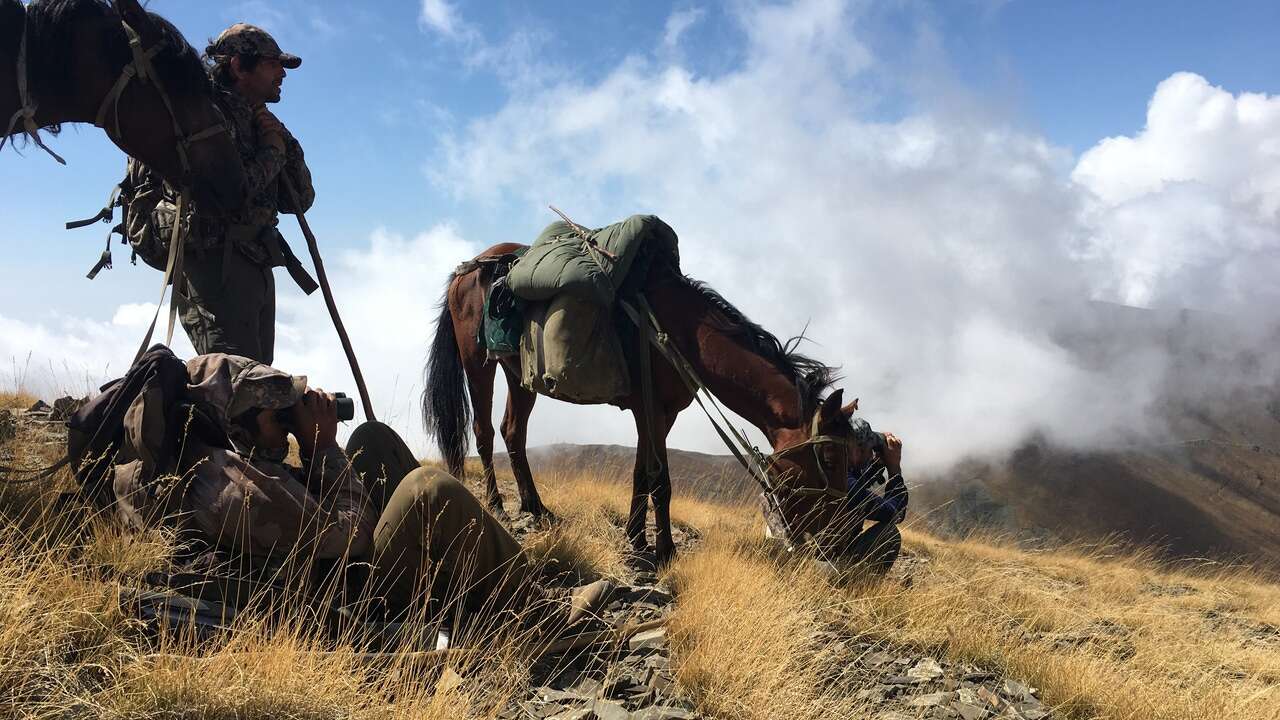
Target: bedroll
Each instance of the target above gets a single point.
(563, 262)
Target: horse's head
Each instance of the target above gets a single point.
(134, 75)
(172, 125)
(811, 468)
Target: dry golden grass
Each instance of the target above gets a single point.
(67, 649)
(1102, 635)
(16, 399)
(743, 634)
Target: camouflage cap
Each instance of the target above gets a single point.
(246, 39)
(863, 434)
(236, 384)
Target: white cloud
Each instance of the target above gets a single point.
(937, 256)
(136, 315)
(1188, 209)
(58, 354)
(677, 23)
(441, 16)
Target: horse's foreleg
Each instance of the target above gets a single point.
(481, 388)
(515, 429)
(639, 487)
(660, 492)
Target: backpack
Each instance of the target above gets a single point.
(138, 421)
(146, 222)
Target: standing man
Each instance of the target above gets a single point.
(226, 296)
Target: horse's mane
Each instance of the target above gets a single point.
(50, 32)
(810, 376)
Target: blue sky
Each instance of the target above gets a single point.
(434, 129)
(378, 88)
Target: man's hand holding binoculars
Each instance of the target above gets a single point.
(315, 422)
(891, 453)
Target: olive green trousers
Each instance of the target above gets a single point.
(227, 304)
(434, 539)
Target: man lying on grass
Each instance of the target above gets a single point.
(422, 535)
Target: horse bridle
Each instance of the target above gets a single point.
(142, 69)
(834, 488)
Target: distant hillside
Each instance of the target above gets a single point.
(715, 478)
(1215, 493)
(1198, 499)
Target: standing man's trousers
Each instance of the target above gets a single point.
(229, 304)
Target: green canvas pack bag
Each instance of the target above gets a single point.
(570, 350)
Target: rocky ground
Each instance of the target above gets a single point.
(44, 436)
(630, 682)
(636, 681)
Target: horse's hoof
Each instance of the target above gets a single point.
(541, 515)
(641, 560)
(546, 519)
(665, 556)
(499, 512)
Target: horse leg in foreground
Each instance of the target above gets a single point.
(515, 429)
(480, 385)
(651, 479)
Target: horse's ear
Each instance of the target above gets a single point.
(131, 12)
(831, 410)
(850, 409)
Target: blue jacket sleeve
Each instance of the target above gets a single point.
(894, 506)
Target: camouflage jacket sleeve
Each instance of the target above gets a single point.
(295, 167)
(261, 169)
(266, 508)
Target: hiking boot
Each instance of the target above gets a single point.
(586, 601)
(556, 611)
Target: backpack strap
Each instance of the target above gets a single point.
(172, 273)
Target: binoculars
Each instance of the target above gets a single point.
(346, 407)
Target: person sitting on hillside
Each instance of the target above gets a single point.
(422, 533)
(875, 459)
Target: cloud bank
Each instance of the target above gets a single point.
(938, 256)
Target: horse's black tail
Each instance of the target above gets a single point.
(446, 409)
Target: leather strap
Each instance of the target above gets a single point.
(282, 256)
(747, 455)
(172, 274)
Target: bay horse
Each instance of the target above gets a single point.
(766, 382)
(76, 62)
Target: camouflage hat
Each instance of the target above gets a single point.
(246, 39)
(863, 434)
(236, 384)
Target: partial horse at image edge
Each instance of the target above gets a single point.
(165, 122)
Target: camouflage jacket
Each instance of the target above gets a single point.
(152, 200)
(236, 500)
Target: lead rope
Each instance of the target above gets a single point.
(26, 113)
(746, 454)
